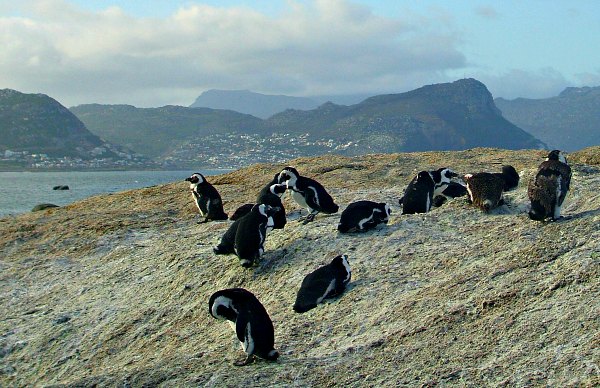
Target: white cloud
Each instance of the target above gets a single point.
(515, 83)
(323, 47)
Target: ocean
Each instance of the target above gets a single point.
(21, 191)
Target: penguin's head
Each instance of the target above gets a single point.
(288, 174)
(511, 177)
(266, 210)
(278, 189)
(341, 261)
(196, 179)
(557, 155)
(221, 306)
(443, 175)
(387, 209)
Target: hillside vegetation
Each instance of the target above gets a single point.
(113, 290)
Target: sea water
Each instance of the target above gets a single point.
(21, 191)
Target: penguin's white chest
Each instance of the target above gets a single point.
(299, 199)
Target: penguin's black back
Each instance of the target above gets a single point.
(325, 282)
(250, 235)
(418, 194)
(316, 196)
(268, 198)
(374, 212)
(209, 201)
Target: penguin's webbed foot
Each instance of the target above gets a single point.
(246, 361)
(204, 221)
(309, 218)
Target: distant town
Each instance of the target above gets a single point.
(215, 151)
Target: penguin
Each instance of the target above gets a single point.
(510, 177)
(207, 198)
(271, 195)
(308, 193)
(363, 215)
(452, 190)
(249, 320)
(548, 189)
(419, 194)
(485, 190)
(246, 236)
(241, 211)
(325, 282)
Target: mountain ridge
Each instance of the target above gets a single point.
(569, 121)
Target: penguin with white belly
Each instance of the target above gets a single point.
(249, 320)
(308, 193)
(207, 198)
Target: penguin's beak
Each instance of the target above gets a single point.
(188, 179)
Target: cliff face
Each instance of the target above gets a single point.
(113, 290)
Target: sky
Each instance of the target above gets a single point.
(151, 53)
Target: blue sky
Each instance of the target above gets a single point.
(153, 52)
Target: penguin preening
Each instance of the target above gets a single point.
(246, 236)
(250, 322)
(548, 189)
(325, 282)
(486, 189)
(363, 215)
(271, 195)
(422, 189)
(268, 195)
(207, 198)
(308, 193)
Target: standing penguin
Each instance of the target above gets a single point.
(308, 193)
(485, 190)
(271, 195)
(250, 321)
(363, 215)
(419, 194)
(207, 198)
(547, 191)
(325, 282)
(246, 236)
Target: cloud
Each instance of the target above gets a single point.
(320, 47)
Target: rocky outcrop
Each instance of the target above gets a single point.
(113, 290)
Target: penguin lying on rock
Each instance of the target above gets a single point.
(249, 320)
(419, 194)
(325, 282)
(207, 198)
(548, 189)
(308, 193)
(485, 189)
(246, 236)
(363, 215)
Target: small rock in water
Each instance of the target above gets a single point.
(61, 187)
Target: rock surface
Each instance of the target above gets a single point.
(113, 290)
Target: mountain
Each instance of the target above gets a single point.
(448, 116)
(38, 124)
(569, 121)
(113, 291)
(256, 104)
(155, 132)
